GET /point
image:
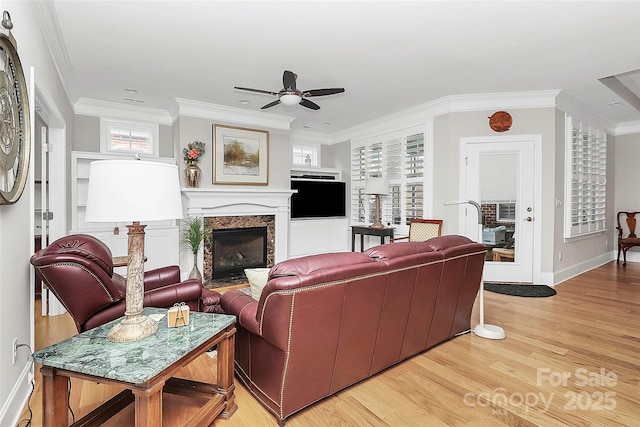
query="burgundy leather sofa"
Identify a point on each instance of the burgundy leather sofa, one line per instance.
(325, 322)
(78, 269)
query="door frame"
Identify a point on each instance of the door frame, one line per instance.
(57, 129)
(536, 139)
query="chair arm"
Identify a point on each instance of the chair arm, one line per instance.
(188, 292)
(243, 307)
(161, 277)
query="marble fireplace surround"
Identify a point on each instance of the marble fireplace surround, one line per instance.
(211, 203)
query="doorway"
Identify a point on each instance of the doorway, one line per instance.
(500, 175)
(49, 151)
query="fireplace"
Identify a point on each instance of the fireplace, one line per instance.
(235, 249)
(225, 234)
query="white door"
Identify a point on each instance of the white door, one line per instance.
(500, 178)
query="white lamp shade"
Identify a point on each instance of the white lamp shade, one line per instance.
(290, 99)
(376, 185)
(133, 190)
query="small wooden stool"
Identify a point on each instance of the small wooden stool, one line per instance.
(499, 253)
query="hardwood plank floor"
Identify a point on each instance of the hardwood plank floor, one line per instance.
(571, 359)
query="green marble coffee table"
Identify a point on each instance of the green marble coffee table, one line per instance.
(145, 368)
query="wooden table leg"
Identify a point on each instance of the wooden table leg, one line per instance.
(226, 354)
(148, 406)
(55, 398)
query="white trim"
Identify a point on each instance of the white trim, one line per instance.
(627, 128)
(47, 19)
(208, 202)
(574, 108)
(449, 104)
(582, 267)
(221, 113)
(94, 107)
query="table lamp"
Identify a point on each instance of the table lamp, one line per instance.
(378, 187)
(133, 191)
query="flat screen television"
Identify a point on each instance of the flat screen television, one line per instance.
(318, 198)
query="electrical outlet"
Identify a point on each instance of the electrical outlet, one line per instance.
(560, 256)
(14, 349)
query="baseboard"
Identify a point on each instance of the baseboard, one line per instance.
(632, 256)
(577, 269)
(20, 392)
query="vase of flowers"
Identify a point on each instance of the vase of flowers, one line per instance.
(192, 237)
(192, 154)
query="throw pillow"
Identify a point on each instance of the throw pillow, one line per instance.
(258, 278)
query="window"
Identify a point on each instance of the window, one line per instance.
(585, 179)
(399, 158)
(305, 155)
(128, 137)
(506, 211)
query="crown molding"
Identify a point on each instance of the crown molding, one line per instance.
(221, 113)
(627, 128)
(449, 104)
(47, 20)
(583, 113)
(94, 107)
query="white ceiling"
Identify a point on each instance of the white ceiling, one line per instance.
(388, 55)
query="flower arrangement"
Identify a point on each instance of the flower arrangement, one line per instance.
(193, 152)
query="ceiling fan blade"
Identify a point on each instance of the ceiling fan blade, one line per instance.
(289, 80)
(309, 104)
(322, 92)
(271, 104)
(256, 90)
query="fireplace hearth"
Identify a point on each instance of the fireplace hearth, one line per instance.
(235, 249)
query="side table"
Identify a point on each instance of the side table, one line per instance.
(145, 368)
(369, 231)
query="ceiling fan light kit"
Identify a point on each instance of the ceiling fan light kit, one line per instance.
(290, 99)
(290, 95)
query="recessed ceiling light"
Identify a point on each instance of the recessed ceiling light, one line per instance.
(244, 101)
(140, 101)
(327, 123)
(308, 127)
(615, 104)
(129, 90)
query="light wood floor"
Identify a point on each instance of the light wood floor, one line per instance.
(572, 359)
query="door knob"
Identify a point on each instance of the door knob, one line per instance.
(528, 219)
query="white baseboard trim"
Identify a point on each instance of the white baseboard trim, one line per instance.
(632, 256)
(20, 392)
(577, 269)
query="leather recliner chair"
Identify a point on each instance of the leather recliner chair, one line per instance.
(78, 269)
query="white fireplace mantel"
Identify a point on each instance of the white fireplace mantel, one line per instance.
(212, 202)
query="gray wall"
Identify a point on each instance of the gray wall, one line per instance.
(626, 154)
(188, 129)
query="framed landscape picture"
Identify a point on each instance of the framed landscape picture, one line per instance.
(241, 156)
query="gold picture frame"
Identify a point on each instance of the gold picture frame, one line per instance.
(241, 156)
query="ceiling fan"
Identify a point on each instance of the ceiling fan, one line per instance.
(290, 95)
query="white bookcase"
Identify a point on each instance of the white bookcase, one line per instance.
(162, 246)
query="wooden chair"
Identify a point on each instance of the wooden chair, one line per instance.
(628, 228)
(422, 229)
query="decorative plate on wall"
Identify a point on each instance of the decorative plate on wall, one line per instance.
(500, 121)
